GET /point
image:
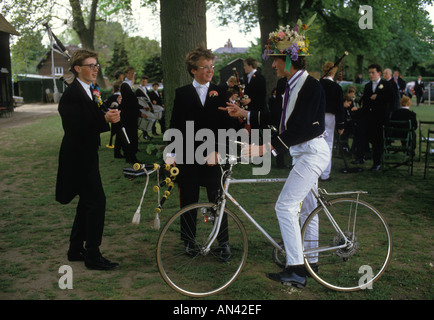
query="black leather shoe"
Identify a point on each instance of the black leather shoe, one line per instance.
(289, 278)
(225, 252)
(358, 161)
(76, 255)
(190, 249)
(100, 263)
(314, 267)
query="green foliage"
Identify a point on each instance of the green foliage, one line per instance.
(107, 35)
(244, 13)
(119, 60)
(153, 68)
(26, 52)
(141, 50)
(402, 34)
(110, 7)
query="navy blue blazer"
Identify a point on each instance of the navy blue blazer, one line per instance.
(306, 121)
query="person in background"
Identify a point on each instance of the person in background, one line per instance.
(255, 87)
(377, 96)
(419, 90)
(157, 99)
(130, 114)
(334, 116)
(405, 114)
(120, 140)
(395, 102)
(399, 82)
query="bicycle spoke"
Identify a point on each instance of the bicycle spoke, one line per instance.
(199, 272)
(366, 245)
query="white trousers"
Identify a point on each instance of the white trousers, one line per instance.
(309, 161)
(330, 123)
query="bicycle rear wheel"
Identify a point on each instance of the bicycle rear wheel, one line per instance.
(363, 259)
(202, 273)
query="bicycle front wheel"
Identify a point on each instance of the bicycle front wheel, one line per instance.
(364, 250)
(198, 272)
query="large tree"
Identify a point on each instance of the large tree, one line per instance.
(183, 27)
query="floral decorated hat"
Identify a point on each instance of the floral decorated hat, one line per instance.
(288, 42)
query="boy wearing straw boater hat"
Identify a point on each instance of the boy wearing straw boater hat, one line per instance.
(301, 133)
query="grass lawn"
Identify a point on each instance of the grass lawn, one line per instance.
(35, 229)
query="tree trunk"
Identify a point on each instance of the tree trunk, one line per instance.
(268, 22)
(183, 27)
(359, 63)
(291, 12)
(86, 34)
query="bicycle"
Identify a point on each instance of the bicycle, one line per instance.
(352, 250)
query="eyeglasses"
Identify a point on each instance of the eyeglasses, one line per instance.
(92, 66)
(207, 68)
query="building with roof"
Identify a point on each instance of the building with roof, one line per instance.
(230, 49)
(6, 95)
(60, 62)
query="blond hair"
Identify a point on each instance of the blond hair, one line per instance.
(405, 101)
(195, 55)
(328, 68)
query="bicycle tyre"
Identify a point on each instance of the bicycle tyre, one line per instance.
(203, 274)
(361, 263)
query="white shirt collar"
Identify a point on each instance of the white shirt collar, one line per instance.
(197, 84)
(130, 83)
(294, 78)
(250, 75)
(375, 84)
(86, 87)
(199, 89)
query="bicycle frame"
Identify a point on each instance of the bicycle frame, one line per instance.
(221, 206)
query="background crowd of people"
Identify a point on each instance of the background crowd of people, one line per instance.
(350, 114)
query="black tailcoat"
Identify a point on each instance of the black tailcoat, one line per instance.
(334, 101)
(257, 91)
(78, 172)
(82, 122)
(377, 114)
(130, 114)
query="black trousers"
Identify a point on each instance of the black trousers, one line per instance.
(131, 149)
(376, 138)
(189, 191)
(89, 219)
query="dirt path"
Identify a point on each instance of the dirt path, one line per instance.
(26, 114)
